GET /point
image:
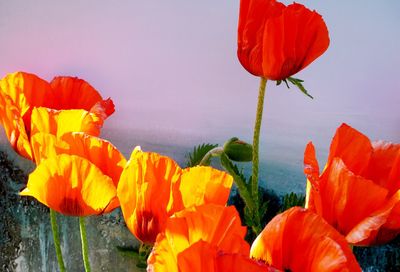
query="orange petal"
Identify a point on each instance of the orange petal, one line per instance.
(60, 122)
(385, 160)
(352, 147)
(202, 185)
(145, 191)
(27, 91)
(71, 185)
(98, 151)
(367, 232)
(217, 225)
(300, 240)
(75, 93)
(252, 18)
(346, 198)
(14, 127)
(202, 256)
(292, 41)
(46, 145)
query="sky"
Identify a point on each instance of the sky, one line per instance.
(171, 68)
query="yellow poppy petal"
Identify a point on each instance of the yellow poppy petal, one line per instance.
(145, 189)
(27, 90)
(202, 185)
(14, 126)
(217, 225)
(60, 122)
(71, 185)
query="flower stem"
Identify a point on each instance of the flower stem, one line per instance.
(85, 249)
(56, 239)
(256, 140)
(217, 151)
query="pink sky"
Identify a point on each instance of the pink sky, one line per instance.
(171, 66)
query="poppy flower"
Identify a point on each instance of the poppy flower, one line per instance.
(77, 173)
(210, 238)
(358, 191)
(276, 41)
(71, 105)
(153, 187)
(195, 239)
(300, 240)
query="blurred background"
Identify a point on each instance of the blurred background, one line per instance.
(172, 71)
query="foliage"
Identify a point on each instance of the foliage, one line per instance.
(198, 153)
(292, 200)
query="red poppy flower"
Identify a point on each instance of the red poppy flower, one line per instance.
(358, 191)
(276, 41)
(71, 105)
(76, 175)
(153, 187)
(300, 240)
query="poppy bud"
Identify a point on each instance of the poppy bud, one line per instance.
(237, 150)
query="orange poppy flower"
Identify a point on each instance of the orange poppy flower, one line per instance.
(77, 174)
(300, 240)
(358, 191)
(153, 187)
(276, 41)
(21, 93)
(195, 239)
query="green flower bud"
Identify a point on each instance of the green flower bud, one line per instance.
(237, 150)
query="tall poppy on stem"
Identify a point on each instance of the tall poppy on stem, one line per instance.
(77, 175)
(29, 105)
(275, 42)
(153, 187)
(358, 192)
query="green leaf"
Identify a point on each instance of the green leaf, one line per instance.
(298, 83)
(292, 200)
(232, 169)
(195, 157)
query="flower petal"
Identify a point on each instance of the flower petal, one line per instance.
(252, 17)
(75, 93)
(60, 122)
(14, 127)
(27, 91)
(367, 231)
(71, 185)
(219, 226)
(353, 147)
(347, 198)
(292, 41)
(300, 240)
(385, 160)
(203, 184)
(202, 256)
(145, 190)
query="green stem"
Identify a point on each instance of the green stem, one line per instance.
(213, 152)
(256, 139)
(245, 194)
(85, 249)
(56, 239)
(240, 183)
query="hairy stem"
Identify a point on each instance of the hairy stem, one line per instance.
(85, 248)
(256, 140)
(56, 239)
